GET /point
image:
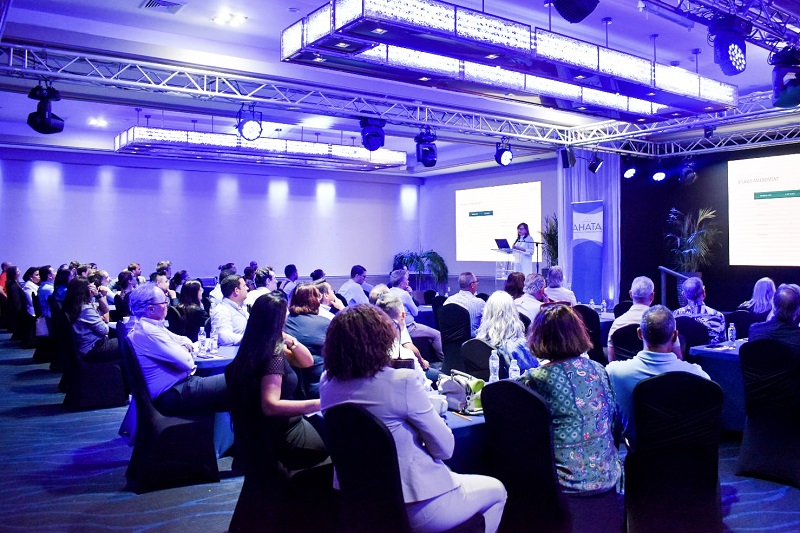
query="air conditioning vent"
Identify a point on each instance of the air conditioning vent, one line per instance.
(162, 6)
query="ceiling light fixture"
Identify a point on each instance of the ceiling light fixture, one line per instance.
(426, 149)
(503, 155)
(629, 172)
(43, 120)
(229, 19)
(785, 91)
(688, 173)
(595, 164)
(372, 136)
(248, 122)
(567, 157)
(659, 175)
(708, 131)
(728, 34)
(575, 10)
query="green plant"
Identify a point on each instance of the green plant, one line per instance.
(428, 262)
(691, 239)
(550, 238)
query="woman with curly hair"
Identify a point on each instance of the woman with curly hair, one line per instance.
(357, 352)
(502, 328)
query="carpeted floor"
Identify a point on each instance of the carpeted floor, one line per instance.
(65, 471)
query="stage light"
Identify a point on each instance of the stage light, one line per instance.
(708, 131)
(688, 174)
(503, 155)
(785, 92)
(426, 149)
(567, 157)
(629, 172)
(575, 10)
(43, 120)
(248, 122)
(730, 51)
(595, 164)
(659, 175)
(372, 136)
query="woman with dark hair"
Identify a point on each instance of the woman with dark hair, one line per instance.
(357, 352)
(16, 298)
(31, 287)
(191, 307)
(581, 402)
(126, 282)
(525, 246)
(515, 284)
(177, 281)
(266, 417)
(89, 317)
(309, 327)
(63, 277)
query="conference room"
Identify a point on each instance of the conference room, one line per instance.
(341, 134)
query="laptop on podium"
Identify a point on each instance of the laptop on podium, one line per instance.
(502, 244)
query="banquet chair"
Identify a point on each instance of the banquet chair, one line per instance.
(771, 438)
(437, 304)
(168, 451)
(517, 421)
(475, 354)
(742, 319)
(454, 324)
(592, 321)
(526, 322)
(622, 308)
(672, 470)
(626, 342)
(428, 296)
(176, 321)
(365, 457)
(691, 333)
(483, 296)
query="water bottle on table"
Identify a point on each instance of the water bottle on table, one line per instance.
(603, 306)
(732, 333)
(513, 370)
(201, 341)
(591, 303)
(494, 367)
(214, 348)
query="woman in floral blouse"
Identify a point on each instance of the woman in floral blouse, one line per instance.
(581, 402)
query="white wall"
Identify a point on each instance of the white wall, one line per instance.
(57, 207)
(437, 207)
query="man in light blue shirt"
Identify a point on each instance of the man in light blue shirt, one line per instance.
(466, 298)
(352, 289)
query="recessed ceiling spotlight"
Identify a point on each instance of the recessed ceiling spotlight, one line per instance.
(230, 19)
(98, 122)
(492, 56)
(424, 78)
(379, 31)
(319, 59)
(580, 77)
(651, 93)
(341, 45)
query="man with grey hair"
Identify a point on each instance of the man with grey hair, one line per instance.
(642, 293)
(783, 325)
(555, 289)
(533, 297)
(466, 298)
(391, 304)
(398, 282)
(657, 330)
(713, 320)
(166, 359)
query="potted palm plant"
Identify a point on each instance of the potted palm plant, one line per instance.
(550, 239)
(691, 239)
(428, 263)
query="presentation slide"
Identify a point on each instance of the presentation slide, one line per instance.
(764, 203)
(489, 213)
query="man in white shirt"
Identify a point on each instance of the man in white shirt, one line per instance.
(642, 293)
(398, 280)
(166, 359)
(466, 298)
(390, 304)
(352, 289)
(215, 296)
(554, 290)
(265, 283)
(290, 271)
(229, 318)
(529, 303)
(328, 300)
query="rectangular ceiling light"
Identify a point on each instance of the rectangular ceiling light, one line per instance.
(231, 147)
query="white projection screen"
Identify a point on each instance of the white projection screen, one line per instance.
(489, 213)
(764, 209)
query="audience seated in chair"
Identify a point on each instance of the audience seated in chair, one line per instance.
(229, 318)
(465, 297)
(555, 290)
(642, 292)
(398, 280)
(306, 325)
(783, 325)
(192, 309)
(533, 296)
(352, 290)
(88, 312)
(760, 305)
(502, 329)
(713, 320)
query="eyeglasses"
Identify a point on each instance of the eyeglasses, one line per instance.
(158, 303)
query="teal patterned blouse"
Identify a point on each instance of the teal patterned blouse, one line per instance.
(582, 407)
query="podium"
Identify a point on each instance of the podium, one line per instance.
(505, 263)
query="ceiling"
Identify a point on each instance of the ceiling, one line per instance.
(126, 29)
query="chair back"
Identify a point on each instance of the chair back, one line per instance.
(518, 419)
(592, 321)
(176, 321)
(61, 333)
(428, 296)
(622, 308)
(475, 353)
(742, 319)
(483, 296)
(526, 322)
(672, 472)
(341, 298)
(454, 324)
(771, 438)
(691, 332)
(626, 342)
(438, 302)
(365, 457)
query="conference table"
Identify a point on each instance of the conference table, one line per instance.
(721, 363)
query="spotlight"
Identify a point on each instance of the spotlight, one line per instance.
(730, 52)
(688, 174)
(426, 149)
(659, 175)
(248, 122)
(43, 120)
(372, 135)
(785, 92)
(708, 131)
(595, 164)
(567, 157)
(575, 10)
(629, 169)
(503, 155)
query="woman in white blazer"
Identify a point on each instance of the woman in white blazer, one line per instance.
(357, 352)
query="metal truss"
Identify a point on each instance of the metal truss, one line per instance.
(772, 25)
(200, 86)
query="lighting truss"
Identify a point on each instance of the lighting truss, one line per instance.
(468, 50)
(231, 147)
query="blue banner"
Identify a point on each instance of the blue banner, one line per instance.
(587, 251)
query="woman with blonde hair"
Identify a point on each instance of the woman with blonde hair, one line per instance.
(502, 328)
(760, 305)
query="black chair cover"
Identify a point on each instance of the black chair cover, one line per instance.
(437, 304)
(692, 333)
(626, 342)
(454, 324)
(742, 319)
(592, 321)
(622, 308)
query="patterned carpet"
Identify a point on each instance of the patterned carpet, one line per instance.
(65, 471)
